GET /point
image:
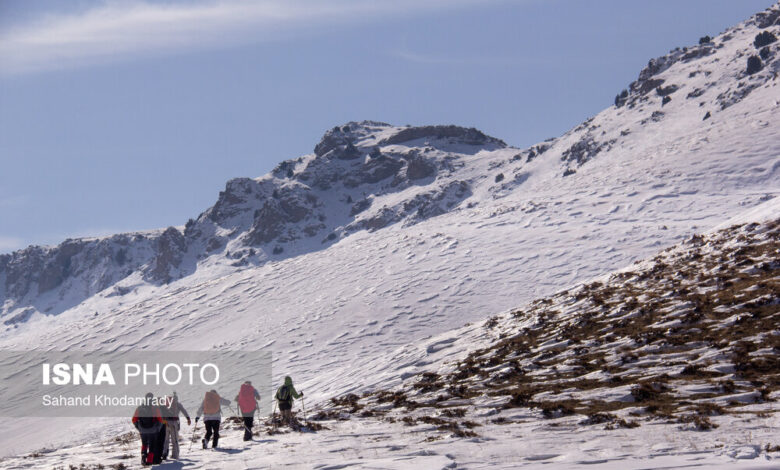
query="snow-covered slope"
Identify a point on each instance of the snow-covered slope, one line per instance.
(388, 235)
(671, 362)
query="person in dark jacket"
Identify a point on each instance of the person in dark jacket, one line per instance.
(148, 420)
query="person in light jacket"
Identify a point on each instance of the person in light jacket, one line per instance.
(171, 415)
(211, 410)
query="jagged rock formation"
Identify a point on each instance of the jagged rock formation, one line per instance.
(70, 271)
(313, 200)
(370, 175)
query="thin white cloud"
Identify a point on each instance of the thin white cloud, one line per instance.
(122, 30)
(13, 201)
(9, 244)
(429, 59)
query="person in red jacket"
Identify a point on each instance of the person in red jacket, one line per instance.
(147, 419)
(247, 405)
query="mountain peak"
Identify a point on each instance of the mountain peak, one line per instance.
(344, 141)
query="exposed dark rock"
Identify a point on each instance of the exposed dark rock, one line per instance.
(667, 90)
(349, 152)
(621, 98)
(437, 202)
(237, 191)
(59, 266)
(320, 174)
(697, 52)
(646, 86)
(313, 229)
(339, 138)
(499, 178)
(20, 317)
(768, 18)
(707, 116)
(732, 96)
(468, 136)
(535, 151)
(171, 247)
(374, 171)
(754, 65)
(295, 209)
(21, 270)
(379, 221)
(418, 168)
(284, 169)
(331, 140)
(585, 149)
(291, 206)
(695, 93)
(269, 222)
(764, 38)
(360, 206)
(120, 257)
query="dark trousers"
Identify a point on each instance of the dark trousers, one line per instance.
(249, 421)
(157, 447)
(150, 449)
(148, 440)
(212, 427)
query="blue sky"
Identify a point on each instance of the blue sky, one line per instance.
(131, 115)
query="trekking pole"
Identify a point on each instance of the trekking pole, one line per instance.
(240, 416)
(193, 436)
(303, 404)
(273, 417)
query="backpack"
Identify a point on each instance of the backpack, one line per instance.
(246, 398)
(146, 417)
(211, 403)
(284, 393)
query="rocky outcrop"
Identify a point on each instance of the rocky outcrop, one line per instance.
(170, 249)
(419, 168)
(49, 279)
(468, 136)
(341, 140)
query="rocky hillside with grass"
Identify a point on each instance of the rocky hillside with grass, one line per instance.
(688, 337)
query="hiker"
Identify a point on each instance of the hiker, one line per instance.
(211, 409)
(285, 395)
(160, 451)
(247, 405)
(148, 421)
(171, 415)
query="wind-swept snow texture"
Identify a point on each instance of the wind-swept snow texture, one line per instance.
(385, 236)
(671, 362)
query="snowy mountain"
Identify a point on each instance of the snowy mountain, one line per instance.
(368, 175)
(666, 363)
(341, 260)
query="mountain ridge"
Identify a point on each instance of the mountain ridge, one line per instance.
(334, 314)
(361, 163)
